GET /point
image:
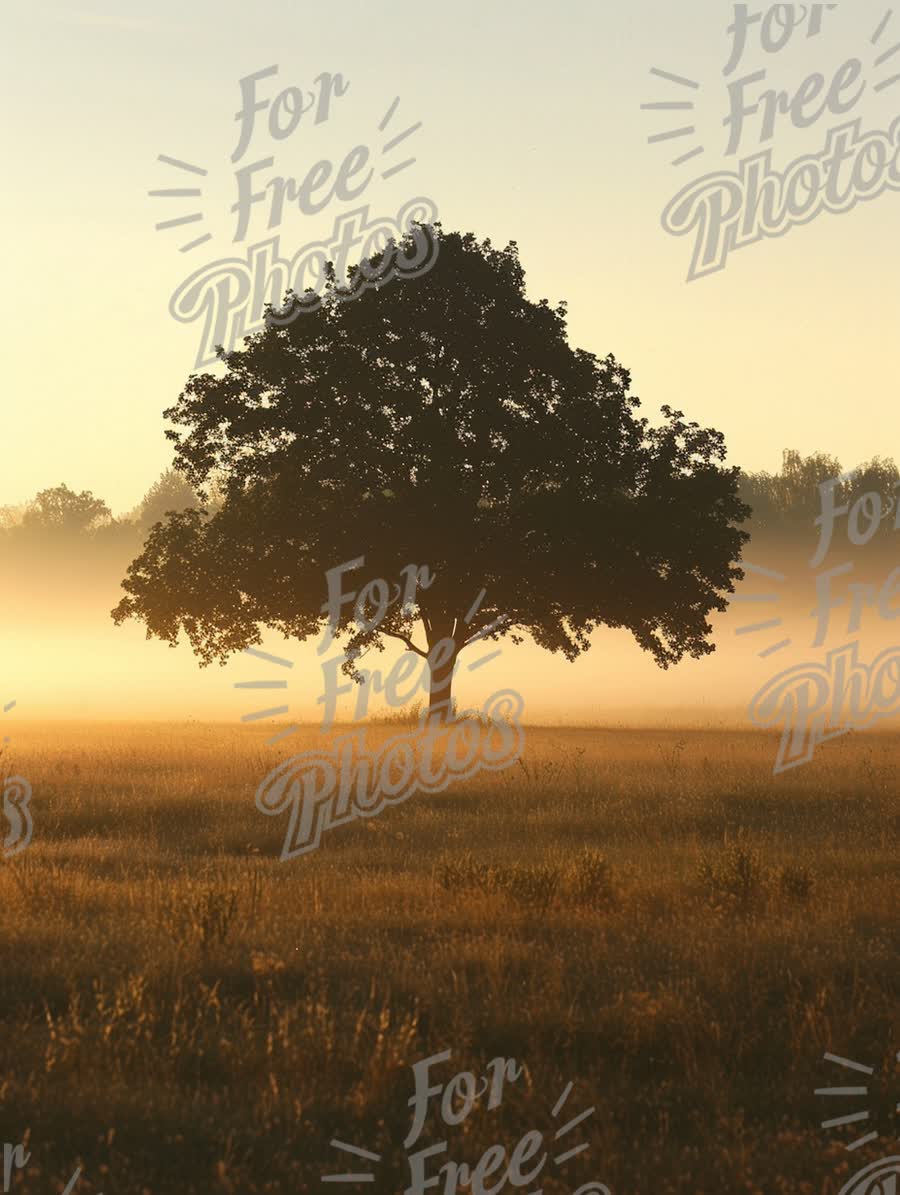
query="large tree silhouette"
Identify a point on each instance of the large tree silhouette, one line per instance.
(440, 421)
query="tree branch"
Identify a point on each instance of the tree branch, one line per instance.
(404, 639)
(484, 631)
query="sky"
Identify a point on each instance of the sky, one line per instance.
(532, 129)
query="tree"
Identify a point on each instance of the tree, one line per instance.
(786, 504)
(61, 510)
(11, 516)
(442, 421)
(171, 491)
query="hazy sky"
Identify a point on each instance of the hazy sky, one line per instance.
(532, 130)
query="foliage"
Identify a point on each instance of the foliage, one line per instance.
(170, 492)
(443, 422)
(62, 511)
(786, 504)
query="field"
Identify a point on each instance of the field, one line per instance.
(650, 915)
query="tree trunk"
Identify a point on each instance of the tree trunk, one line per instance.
(441, 687)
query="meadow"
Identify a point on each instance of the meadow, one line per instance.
(649, 915)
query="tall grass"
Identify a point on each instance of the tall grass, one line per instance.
(652, 916)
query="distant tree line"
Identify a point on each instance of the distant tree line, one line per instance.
(63, 553)
(60, 514)
(787, 503)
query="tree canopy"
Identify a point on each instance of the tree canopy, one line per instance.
(61, 510)
(441, 421)
(171, 491)
(786, 504)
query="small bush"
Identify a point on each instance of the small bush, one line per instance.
(464, 873)
(736, 880)
(535, 885)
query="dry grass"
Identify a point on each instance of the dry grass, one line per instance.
(649, 914)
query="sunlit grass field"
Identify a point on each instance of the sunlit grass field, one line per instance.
(650, 915)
